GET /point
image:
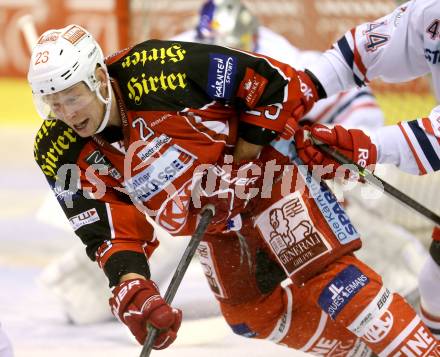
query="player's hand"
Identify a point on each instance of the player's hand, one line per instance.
(228, 187)
(136, 303)
(352, 143)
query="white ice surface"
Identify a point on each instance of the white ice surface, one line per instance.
(33, 320)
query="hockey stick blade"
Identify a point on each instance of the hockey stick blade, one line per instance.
(207, 214)
(379, 183)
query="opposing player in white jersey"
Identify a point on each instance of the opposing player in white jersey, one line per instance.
(398, 47)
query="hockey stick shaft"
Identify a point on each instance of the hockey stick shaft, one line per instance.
(381, 184)
(184, 262)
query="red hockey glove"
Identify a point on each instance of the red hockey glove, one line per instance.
(309, 95)
(137, 302)
(228, 187)
(353, 144)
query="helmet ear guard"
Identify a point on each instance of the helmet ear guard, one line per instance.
(227, 23)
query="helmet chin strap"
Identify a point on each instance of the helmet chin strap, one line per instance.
(107, 103)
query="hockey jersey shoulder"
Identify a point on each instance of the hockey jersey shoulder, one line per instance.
(158, 75)
(155, 75)
(56, 144)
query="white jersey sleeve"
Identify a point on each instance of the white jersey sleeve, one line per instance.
(398, 47)
(423, 138)
(413, 146)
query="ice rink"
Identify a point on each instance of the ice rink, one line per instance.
(33, 319)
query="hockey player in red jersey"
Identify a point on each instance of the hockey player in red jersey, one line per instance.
(226, 23)
(409, 35)
(164, 127)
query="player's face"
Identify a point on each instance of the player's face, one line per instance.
(78, 107)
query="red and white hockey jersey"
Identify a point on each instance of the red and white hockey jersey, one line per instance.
(398, 47)
(181, 104)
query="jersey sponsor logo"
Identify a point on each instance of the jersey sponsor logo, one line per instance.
(160, 120)
(332, 347)
(174, 53)
(152, 180)
(74, 34)
(282, 325)
(237, 181)
(330, 208)
(84, 218)
(204, 253)
(221, 75)
(153, 147)
(251, 87)
(341, 290)
(380, 328)
(49, 161)
(174, 214)
(418, 344)
(143, 85)
(49, 37)
(62, 194)
(289, 231)
(98, 158)
(383, 299)
(380, 302)
(432, 56)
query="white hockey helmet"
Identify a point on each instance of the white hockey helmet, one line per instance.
(228, 23)
(62, 58)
